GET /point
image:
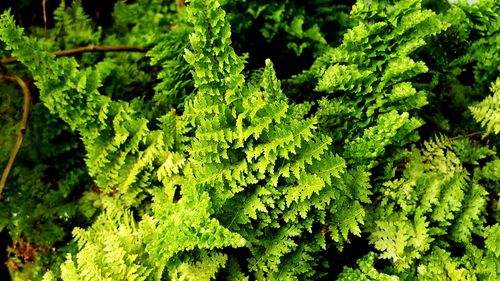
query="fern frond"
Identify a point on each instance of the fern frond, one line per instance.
(366, 271)
(434, 198)
(487, 112)
(110, 249)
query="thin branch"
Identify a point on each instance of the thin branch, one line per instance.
(180, 4)
(467, 136)
(85, 49)
(22, 127)
(44, 17)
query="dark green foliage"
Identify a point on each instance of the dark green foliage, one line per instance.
(254, 140)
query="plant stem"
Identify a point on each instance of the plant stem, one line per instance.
(180, 4)
(85, 49)
(22, 127)
(467, 136)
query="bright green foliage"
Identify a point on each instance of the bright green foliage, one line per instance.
(185, 225)
(488, 111)
(435, 197)
(259, 158)
(493, 240)
(114, 244)
(366, 271)
(256, 139)
(63, 86)
(440, 266)
(476, 264)
(367, 78)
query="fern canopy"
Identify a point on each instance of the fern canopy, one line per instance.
(252, 140)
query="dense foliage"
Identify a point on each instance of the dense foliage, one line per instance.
(255, 140)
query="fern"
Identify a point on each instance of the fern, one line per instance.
(367, 79)
(111, 249)
(204, 269)
(483, 18)
(145, 20)
(436, 196)
(63, 84)
(243, 136)
(441, 266)
(71, 19)
(209, 157)
(366, 271)
(487, 112)
(176, 83)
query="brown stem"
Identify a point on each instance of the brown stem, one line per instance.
(467, 136)
(180, 4)
(44, 17)
(22, 128)
(85, 49)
